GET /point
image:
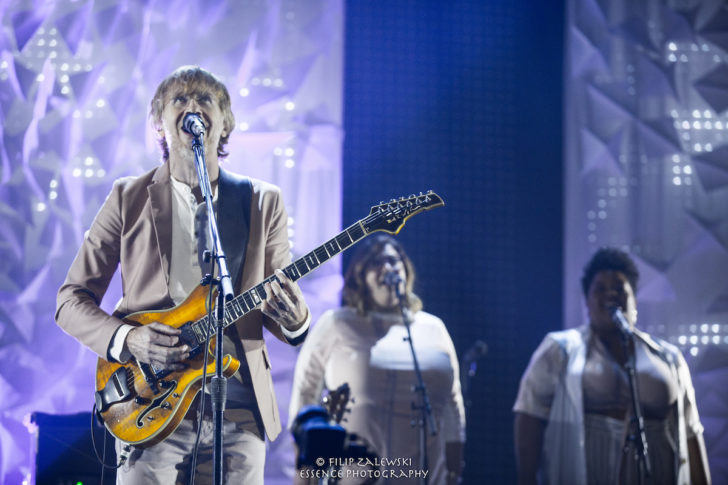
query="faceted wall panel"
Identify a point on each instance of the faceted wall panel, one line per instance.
(76, 78)
(646, 141)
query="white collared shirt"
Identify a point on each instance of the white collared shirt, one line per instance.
(184, 267)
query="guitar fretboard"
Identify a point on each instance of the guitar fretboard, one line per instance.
(251, 299)
(389, 217)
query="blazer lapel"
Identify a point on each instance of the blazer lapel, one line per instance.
(160, 200)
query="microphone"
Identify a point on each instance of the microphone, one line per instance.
(478, 350)
(392, 278)
(621, 321)
(192, 124)
(469, 366)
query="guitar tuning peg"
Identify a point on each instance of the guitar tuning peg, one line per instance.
(420, 192)
(381, 202)
(392, 200)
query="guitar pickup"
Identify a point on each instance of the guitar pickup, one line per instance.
(116, 390)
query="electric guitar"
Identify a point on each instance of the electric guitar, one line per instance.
(142, 405)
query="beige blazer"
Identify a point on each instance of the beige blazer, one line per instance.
(132, 230)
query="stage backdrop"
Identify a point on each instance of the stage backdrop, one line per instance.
(76, 78)
(646, 143)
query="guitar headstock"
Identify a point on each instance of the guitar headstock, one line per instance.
(391, 216)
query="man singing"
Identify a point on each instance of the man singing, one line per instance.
(147, 227)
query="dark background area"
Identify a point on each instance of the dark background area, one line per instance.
(465, 98)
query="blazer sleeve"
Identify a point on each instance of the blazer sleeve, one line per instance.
(77, 304)
(277, 254)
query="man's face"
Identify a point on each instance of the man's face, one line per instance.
(610, 289)
(180, 100)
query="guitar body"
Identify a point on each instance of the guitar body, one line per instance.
(156, 403)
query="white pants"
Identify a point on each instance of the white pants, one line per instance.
(168, 462)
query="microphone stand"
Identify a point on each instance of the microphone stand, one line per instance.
(218, 383)
(426, 420)
(637, 423)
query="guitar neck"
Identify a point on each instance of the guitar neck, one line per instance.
(307, 263)
(253, 298)
(389, 217)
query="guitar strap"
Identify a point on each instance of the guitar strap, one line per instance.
(235, 197)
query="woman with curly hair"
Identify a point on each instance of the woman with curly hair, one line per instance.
(573, 414)
(364, 344)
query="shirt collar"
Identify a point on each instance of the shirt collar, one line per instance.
(184, 189)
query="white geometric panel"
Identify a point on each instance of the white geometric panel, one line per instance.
(659, 82)
(76, 79)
